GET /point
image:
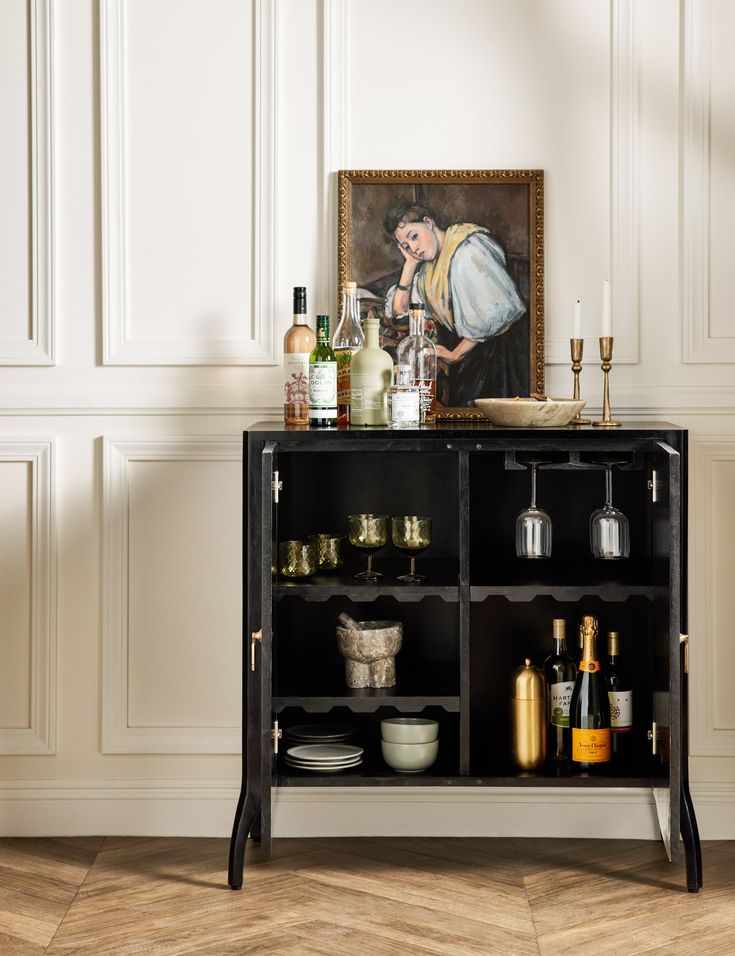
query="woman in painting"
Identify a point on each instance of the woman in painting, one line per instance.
(459, 274)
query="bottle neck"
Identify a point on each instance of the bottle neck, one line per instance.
(560, 646)
(299, 318)
(416, 323)
(589, 649)
(349, 305)
(372, 335)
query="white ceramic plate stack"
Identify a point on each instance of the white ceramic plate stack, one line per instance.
(321, 733)
(324, 758)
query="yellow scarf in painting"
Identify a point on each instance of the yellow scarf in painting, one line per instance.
(433, 279)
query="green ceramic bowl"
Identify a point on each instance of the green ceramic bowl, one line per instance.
(409, 758)
(409, 730)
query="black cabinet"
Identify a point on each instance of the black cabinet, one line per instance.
(480, 611)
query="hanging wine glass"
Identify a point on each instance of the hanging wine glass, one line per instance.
(533, 526)
(368, 533)
(609, 530)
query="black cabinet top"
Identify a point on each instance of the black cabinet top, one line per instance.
(638, 430)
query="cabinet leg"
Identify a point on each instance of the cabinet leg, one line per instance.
(248, 810)
(255, 828)
(692, 845)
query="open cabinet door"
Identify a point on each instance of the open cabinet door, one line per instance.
(253, 814)
(264, 655)
(665, 734)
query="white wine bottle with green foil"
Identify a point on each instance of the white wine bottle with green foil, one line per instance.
(561, 675)
(322, 378)
(371, 376)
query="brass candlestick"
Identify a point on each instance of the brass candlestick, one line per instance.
(577, 347)
(606, 351)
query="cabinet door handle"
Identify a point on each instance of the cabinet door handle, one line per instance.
(254, 638)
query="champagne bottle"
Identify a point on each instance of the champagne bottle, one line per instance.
(590, 706)
(620, 694)
(561, 674)
(370, 378)
(322, 378)
(298, 344)
(418, 353)
(348, 339)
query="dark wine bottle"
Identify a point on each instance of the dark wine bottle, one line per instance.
(620, 694)
(561, 673)
(590, 707)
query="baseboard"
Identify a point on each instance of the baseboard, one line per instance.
(206, 808)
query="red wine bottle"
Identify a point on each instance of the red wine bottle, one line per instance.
(620, 694)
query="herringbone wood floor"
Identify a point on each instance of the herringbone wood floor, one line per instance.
(368, 897)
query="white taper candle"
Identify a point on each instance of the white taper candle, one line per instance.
(606, 315)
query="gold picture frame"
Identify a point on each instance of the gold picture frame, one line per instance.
(509, 213)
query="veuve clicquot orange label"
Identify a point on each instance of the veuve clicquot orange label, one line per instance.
(591, 746)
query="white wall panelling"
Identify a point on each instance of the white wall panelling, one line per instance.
(706, 148)
(221, 324)
(334, 133)
(623, 204)
(38, 347)
(39, 737)
(135, 693)
(711, 648)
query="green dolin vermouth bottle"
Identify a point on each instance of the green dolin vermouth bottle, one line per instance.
(322, 378)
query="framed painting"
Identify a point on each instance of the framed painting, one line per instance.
(469, 246)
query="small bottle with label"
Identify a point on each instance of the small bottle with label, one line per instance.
(418, 353)
(371, 376)
(322, 378)
(620, 694)
(298, 344)
(561, 673)
(404, 401)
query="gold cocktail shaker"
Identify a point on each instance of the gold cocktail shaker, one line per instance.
(528, 717)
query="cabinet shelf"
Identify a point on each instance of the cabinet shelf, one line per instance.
(436, 686)
(566, 592)
(441, 581)
(368, 777)
(368, 700)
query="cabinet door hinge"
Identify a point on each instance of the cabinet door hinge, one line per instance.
(276, 734)
(684, 639)
(653, 486)
(277, 486)
(255, 637)
(653, 737)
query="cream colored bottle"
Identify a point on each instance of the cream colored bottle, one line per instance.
(371, 376)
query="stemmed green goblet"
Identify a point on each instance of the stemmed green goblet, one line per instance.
(411, 534)
(368, 533)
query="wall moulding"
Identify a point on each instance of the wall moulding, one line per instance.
(118, 736)
(40, 736)
(40, 348)
(119, 347)
(711, 582)
(699, 346)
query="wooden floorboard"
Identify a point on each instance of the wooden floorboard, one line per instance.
(121, 896)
